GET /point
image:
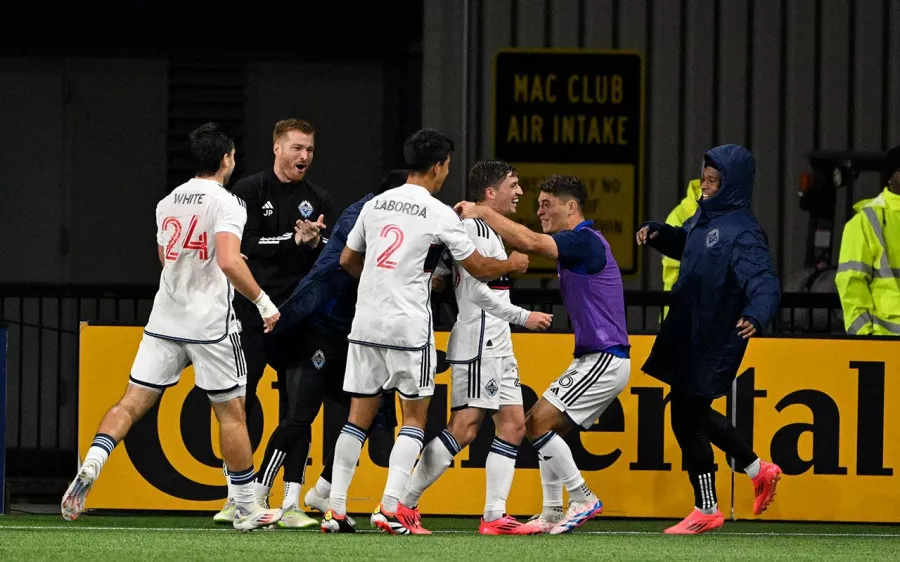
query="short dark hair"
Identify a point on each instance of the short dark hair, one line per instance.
(208, 146)
(425, 148)
(392, 179)
(562, 185)
(488, 173)
(285, 126)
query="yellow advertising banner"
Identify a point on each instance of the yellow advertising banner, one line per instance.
(821, 409)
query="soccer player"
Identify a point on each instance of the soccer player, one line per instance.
(324, 303)
(394, 247)
(727, 292)
(199, 228)
(591, 288)
(281, 243)
(484, 370)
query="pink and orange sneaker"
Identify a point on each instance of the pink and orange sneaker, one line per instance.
(507, 525)
(696, 523)
(411, 519)
(764, 486)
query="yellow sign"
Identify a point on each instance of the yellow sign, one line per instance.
(826, 424)
(580, 113)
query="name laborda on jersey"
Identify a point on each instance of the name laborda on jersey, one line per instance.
(400, 207)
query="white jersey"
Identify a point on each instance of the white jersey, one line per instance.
(403, 233)
(485, 311)
(193, 303)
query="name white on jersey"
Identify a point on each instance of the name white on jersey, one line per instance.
(478, 333)
(403, 233)
(193, 302)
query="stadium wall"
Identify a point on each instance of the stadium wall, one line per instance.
(827, 422)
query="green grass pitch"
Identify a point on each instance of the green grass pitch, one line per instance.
(96, 537)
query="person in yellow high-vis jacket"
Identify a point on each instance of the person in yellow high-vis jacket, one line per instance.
(685, 210)
(868, 278)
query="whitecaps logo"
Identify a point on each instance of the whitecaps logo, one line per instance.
(712, 238)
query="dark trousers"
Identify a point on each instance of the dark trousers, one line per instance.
(697, 427)
(319, 375)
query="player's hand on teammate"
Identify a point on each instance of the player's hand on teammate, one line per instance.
(746, 328)
(270, 322)
(518, 262)
(644, 234)
(538, 321)
(308, 232)
(467, 210)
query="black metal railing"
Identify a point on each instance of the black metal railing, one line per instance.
(43, 323)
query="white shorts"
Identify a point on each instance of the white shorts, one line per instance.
(487, 383)
(589, 386)
(219, 368)
(372, 370)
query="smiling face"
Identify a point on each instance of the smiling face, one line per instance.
(294, 155)
(710, 182)
(504, 197)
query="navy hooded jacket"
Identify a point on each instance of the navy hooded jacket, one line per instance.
(726, 273)
(327, 295)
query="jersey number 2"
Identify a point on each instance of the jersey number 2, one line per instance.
(189, 242)
(384, 258)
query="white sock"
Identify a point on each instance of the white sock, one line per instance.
(291, 494)
(552, 487)
(101, 448)
(499, 469)
(242, 482)
(346, 454)
(436, 459)
(752, 469)
(228, 482)
(323, 487)
(403, 458)
(558, 457)
(711, 511)
(261, 492)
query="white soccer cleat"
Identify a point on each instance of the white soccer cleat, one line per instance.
(293, 518)
(577, 515)
(73, 501)
(320, 503)
(226, 515)
(255, 517)
(539, 523)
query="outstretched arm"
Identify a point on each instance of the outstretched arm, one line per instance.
(517, 236)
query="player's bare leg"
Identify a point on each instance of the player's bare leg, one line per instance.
(346, 454)
(545, 425)
(404, 453)
(238, 457)
(113, 428)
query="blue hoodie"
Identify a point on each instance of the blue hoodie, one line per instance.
(726, 273)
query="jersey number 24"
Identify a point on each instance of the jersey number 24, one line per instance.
(189, 242)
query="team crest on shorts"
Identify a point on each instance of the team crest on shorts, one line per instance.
(318, 359)
(305, 208)
(491, 388)
(712, 238)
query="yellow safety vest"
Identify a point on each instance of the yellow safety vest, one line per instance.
(685, 210)
(868, 277)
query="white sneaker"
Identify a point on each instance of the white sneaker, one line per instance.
(226, 515)
(293, 518)
(73, 501)
(577, 515)
(543, 524)
(254, 517)
(320, 503)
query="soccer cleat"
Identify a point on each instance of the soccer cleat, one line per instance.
(293, 518)
(507, 525)
(254, 517)
(388, 522)
(577, 515)
(696, 523)
(320, 503)
(226, 515)
(334, 523)
(411, 519)
(540, 524)
(764, 486)
(73, 501)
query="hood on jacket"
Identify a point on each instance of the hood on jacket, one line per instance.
(738, 169)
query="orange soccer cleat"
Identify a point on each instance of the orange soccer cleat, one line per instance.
(764, 486)
(696, 523)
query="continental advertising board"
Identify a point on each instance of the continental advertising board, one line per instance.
(824, 410)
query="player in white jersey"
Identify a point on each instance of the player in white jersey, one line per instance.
(484, 371)
(199, 228)
(394, 247)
